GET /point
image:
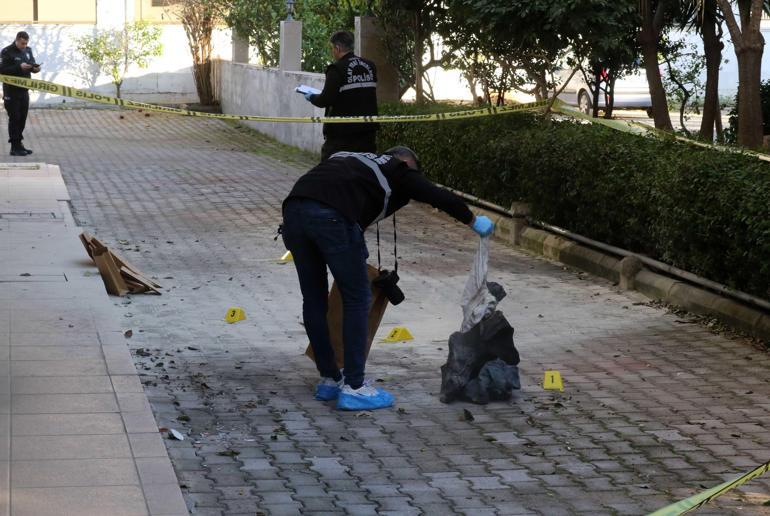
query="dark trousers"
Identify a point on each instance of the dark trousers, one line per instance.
(319, 236)
(17, 106)
(364, 142)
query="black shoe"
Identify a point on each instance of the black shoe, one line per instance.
(28, 151)
(18, 152)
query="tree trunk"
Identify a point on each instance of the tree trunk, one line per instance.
(201, 53)
(419, 52)
(685, 100)
(198, 23)
(117, 88)
(202, 74)
(748, 43)
(648, 39)
(750, 131)
(712, 47)
(609, 96)
(718, 123)
(597, 91)
(471, 80)
(541, 87)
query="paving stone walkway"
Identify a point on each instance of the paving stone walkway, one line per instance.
(77, 435)
(655, 408)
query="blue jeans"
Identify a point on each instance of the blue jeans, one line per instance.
(319, 236)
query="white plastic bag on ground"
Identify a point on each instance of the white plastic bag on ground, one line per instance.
(477, 301)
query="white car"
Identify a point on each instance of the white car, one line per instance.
(631, 92)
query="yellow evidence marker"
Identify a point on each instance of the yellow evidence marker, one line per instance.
(398, 334)
(235, 314)
(552, 381)
(286, 258)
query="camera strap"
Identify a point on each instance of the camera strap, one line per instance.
(383, 181)
(395, 247)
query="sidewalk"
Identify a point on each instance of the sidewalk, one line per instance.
(78, 436)
(656, 408)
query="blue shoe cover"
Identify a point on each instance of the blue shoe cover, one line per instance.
(327, 390)
(364, 398)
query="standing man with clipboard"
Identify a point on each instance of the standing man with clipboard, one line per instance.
(17, 59)
(350, 90)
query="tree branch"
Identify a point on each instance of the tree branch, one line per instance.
(530, 91)
(559, 92)
(732, 24)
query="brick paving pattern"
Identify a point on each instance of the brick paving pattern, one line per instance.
(656, 408)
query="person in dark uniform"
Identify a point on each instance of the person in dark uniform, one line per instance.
(324, 218)
(17, 59)
(350, 90)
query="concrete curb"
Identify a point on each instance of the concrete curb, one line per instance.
(631, 276)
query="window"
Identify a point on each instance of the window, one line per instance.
(19, 11)
(71, 11)
(49, 11)
(156, 11)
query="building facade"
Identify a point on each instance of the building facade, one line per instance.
(54, 25)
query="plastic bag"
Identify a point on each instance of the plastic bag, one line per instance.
(489, 340)
(495, 382)
(486, 339)
(477, 301)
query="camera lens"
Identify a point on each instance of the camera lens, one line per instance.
(387, 282)
(395, 295)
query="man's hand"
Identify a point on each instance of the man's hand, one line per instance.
(482, 225)
(309, 96)
(26, 66)
(36, 68)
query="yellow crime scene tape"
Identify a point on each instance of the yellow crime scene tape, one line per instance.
(558, 107)
(67, 91)
(699, 500)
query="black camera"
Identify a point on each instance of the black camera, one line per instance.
(387, 282)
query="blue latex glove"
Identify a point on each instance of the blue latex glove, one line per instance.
(309, 96)
(483, 225)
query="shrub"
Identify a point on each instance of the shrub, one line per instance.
(699, 209)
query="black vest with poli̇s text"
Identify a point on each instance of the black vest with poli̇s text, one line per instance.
(357, 95)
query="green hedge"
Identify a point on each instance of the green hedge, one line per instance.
(702, 210)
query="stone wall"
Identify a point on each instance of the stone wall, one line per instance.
(244, 89)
